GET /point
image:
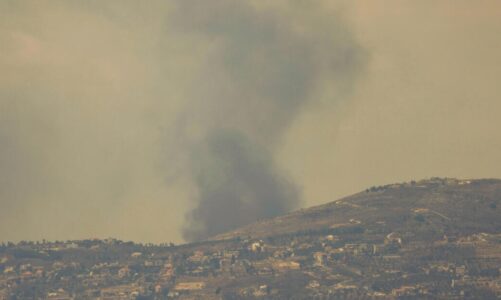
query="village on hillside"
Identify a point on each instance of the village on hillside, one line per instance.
(390, 242)
(343, 265)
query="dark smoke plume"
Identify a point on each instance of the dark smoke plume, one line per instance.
(238, 183)
(262, 68)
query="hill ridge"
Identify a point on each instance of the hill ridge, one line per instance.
(430, 184)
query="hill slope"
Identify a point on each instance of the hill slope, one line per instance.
(447, 205)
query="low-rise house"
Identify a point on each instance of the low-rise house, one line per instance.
(320, 258)
(393, 237)
(285, 265)
(189, 286)
(403, 291)
(313, 284)
(197, 257)
(124, 272)
(460, 271)
(59, 295)
(136, 254)
(121, 292)
(257, 246)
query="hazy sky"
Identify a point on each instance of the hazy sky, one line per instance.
(134, 119)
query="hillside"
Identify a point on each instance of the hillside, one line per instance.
(432, 239)
(445, 205)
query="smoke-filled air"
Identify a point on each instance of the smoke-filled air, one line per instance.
(263, 67)
(178, 120)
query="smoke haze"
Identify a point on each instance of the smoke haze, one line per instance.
(176, 120)
(263, 67)
(238, 183)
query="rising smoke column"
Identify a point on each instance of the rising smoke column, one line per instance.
(262, 67)
(237, 182)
